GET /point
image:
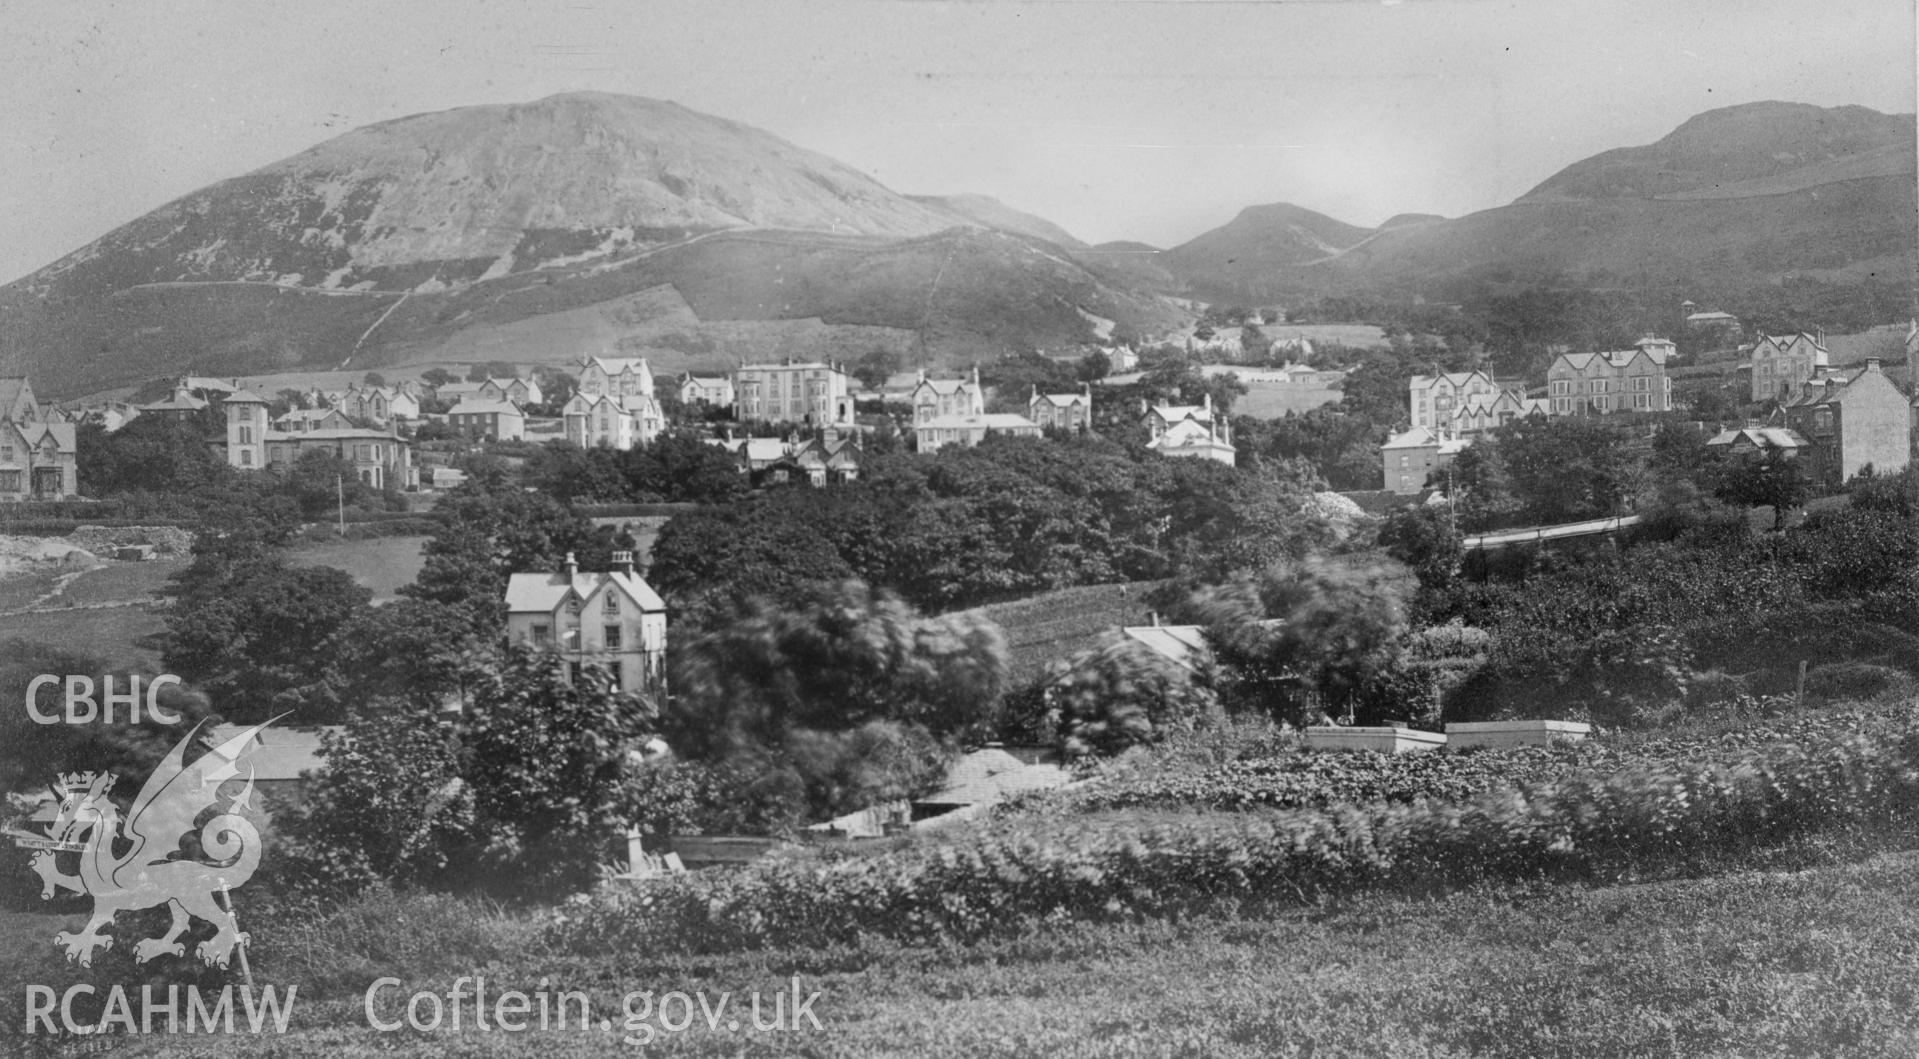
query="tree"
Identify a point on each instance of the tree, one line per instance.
(1117, 696)
(1426, 540)
(259, 636)
(1317, 625)
(875, 367)
(373, 378)
(1770, 479)
(810, 690)
(437, 377)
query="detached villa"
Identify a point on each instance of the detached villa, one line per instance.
(1191, 431)
(611, 621)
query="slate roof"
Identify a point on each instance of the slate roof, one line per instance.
(541, 593)
(989, 775)
(485, 407)
(1761, 437)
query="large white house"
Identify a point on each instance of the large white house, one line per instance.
(613, 621)
(1191, 431)
(616, 422)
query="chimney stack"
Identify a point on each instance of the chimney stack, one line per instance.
(1872, 363)
(623, 561)
(572, 566)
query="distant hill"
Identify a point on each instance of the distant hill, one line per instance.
(1260, 241)
(988, 212)
(486, 216)
(1736, 197)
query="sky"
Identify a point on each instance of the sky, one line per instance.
(1152, 121)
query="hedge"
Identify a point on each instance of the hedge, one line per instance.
(982, 882)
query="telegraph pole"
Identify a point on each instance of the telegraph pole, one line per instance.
(339, 500)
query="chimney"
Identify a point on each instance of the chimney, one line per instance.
(1872, 363)
(623, 562)
(572, 566)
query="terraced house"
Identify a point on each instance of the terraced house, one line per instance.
(1851, 421)
(1629, 380)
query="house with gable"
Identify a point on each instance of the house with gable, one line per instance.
(934, 398)
(519, 391)
(1781, 365)
(38, 461)
(1191, 431)
(612, 420)
(1071, 412)
(379, 404)
(611, 621)
(615, 377)
(1851, 421)
(713, 391)
(1631, 380)
(17, 404)
(301, 420)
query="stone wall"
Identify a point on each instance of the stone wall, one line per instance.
(168, 541)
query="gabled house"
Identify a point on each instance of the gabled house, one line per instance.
(38, 461)
(1191, 431)
(612, 621)
(1851, 422)
(1630, 380)
(615, 377)
(480, 417)
(969, 430)
(1741, 441)
(617, 422)
(379, 404)
(1781, 365)
(1432, 399)
(453, 393)
(934, 398)
(519, 391)
(1481, 412)
(300, 420)
(715, 391)
(1062, 411)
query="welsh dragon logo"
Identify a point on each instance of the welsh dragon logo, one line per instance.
(144, 865)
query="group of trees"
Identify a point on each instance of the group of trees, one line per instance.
(1008, 518)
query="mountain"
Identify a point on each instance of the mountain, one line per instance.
(1261, 241)
(1736, 197)
(987, 212)
(408, 235)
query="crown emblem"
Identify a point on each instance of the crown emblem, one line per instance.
(82, 782)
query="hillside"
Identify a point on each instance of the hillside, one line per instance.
(1261, 241)
(481, 217)
(987, 212)
(1735, 197)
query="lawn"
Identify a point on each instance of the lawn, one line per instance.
(1796, 960)
(382, 564)
(120, 636)
(1273, 402)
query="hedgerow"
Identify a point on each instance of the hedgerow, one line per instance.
(978, 882)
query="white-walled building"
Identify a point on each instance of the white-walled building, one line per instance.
(616, 422)
(612, 620)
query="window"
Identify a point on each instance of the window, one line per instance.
(246, 457)
(542, 633)
(1405, 460)
(246, 435)
(1562, 387)
(1602, 404)
(573, 606)
(9, 481)
(613, 640)
(1642, 400)
(1765, 367)
(1598, 386)
(1642, 382)
(6, 452)
(612, 603)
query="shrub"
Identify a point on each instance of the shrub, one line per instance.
(978, 882)
(1853, 680)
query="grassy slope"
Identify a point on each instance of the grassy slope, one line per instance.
(1752, 963)
(382, 564)
(1057, 624)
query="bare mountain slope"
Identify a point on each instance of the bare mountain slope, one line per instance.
(290, 265)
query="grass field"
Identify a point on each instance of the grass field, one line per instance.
(382, 564)
(120, 636)
(1813, 958)
(1272, 402)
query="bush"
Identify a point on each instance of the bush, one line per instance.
(1853, 680)
(1021, 872)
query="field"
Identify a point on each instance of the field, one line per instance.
(381, 564)
(107, 612)
(1272, 402)
(1812, 957)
